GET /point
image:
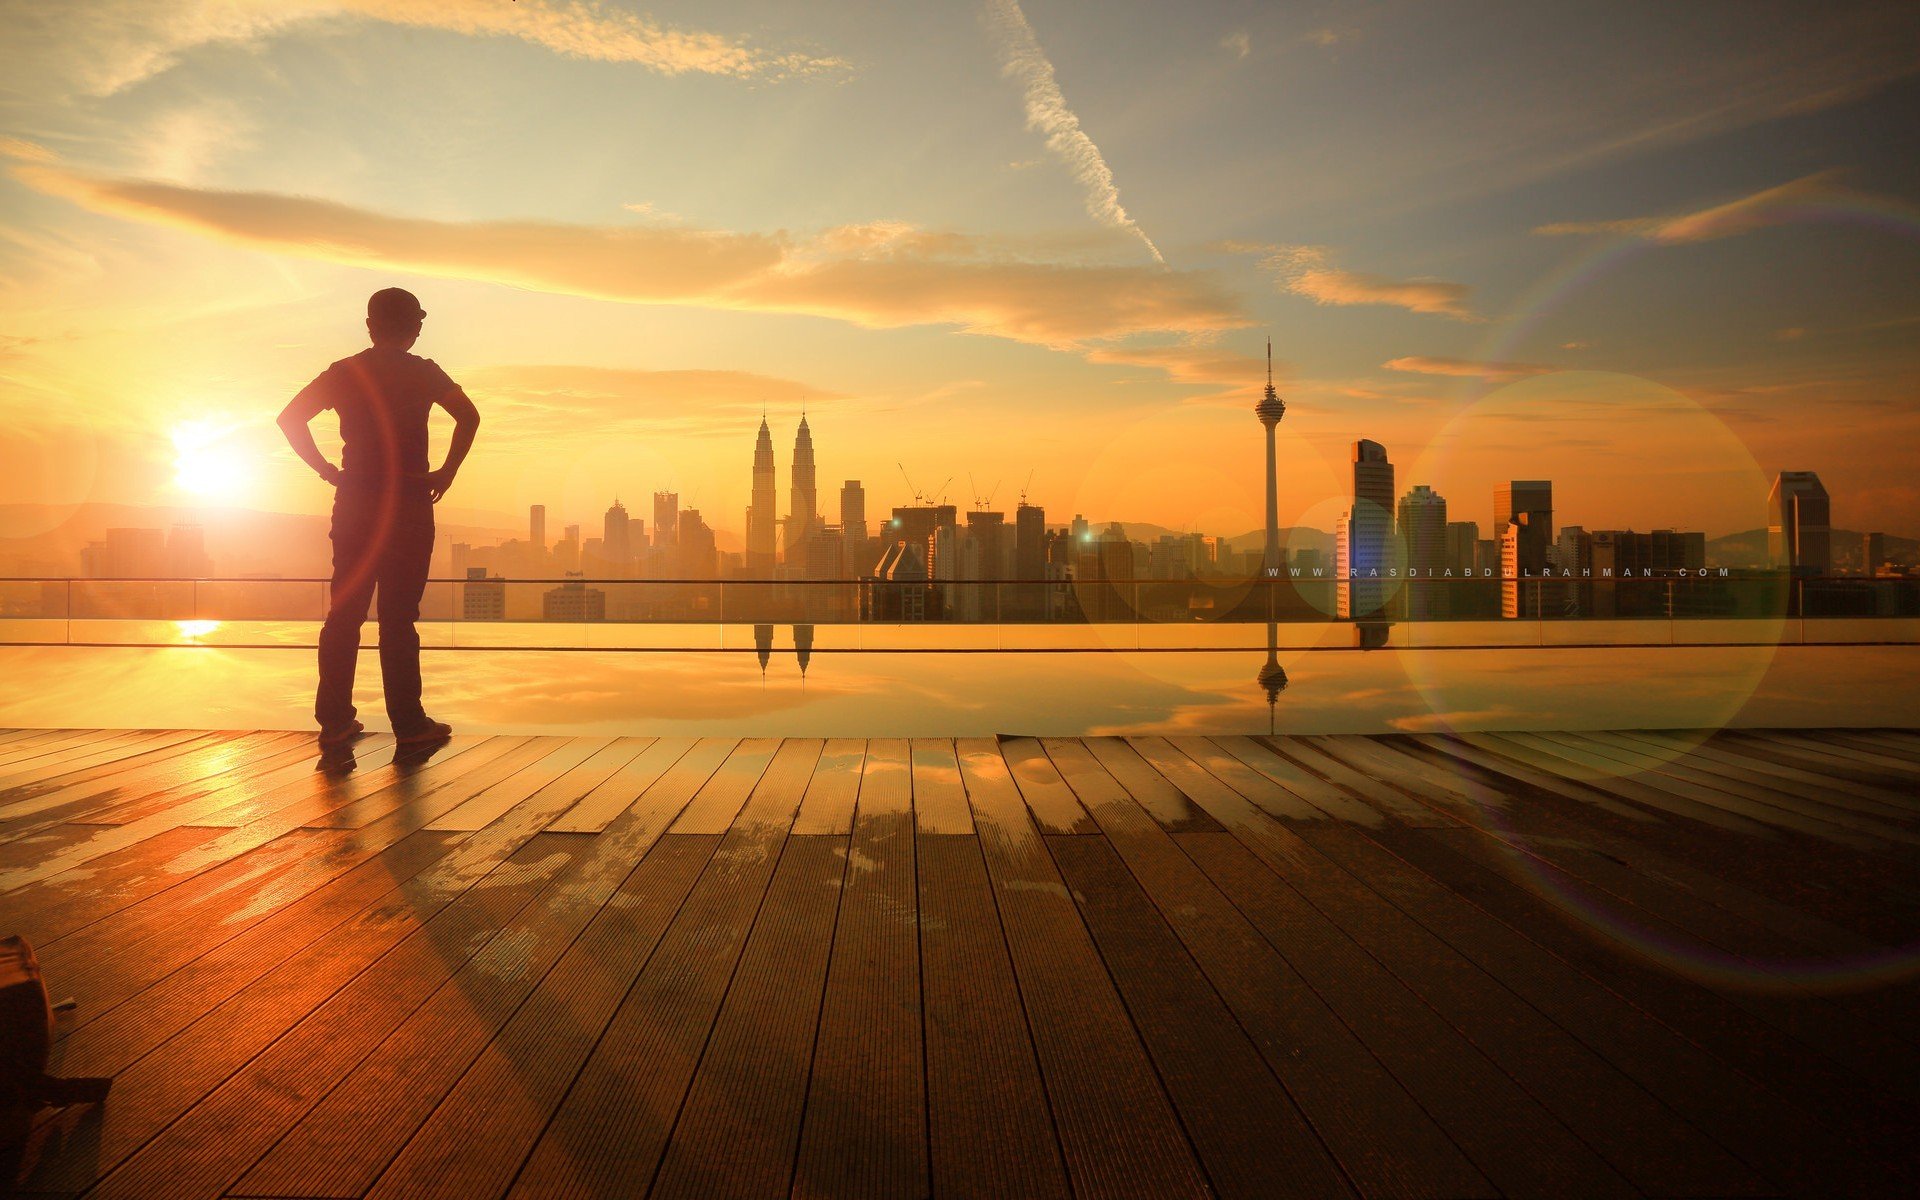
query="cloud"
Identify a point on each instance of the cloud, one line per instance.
(1308, 271)
(877, 275)
(1421, 364)
(1237, 44)
(535, 400)
(108, 46)
(1191, 363)
(1780, 205)
(1022, 59)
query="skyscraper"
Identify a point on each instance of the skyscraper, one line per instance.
(853, 523)
(803, 500)
(666, 507)
(760, 513)
(1523, 523)
(616, 544)
(1423, 528)
(1799, 538)
(1029, 542)
(1364, 532)
(537, 528)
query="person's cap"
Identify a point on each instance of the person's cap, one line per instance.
(394, 305)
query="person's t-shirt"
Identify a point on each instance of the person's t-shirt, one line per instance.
(383, 398)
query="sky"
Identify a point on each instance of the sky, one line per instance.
(1654, 253)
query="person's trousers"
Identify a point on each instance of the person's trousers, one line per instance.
(382, 543)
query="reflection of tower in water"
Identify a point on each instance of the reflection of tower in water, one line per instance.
(1273, 676)
(763, 646)
(803, 646)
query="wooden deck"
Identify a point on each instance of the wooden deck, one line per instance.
(1410, 966)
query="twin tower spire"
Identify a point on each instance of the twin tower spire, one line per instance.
(803, 509)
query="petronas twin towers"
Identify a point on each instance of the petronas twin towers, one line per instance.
(803, 510)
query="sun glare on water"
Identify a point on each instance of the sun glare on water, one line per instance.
(206, 463)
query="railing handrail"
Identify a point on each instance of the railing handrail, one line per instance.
(1689, 573)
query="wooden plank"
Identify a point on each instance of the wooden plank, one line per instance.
(614, 1124)
(1866, 798)
(612, 796)
(1760, 804)
(1327, 801)
(572, 768)
(57, 766)
(201, 1151)
(1431, 945)
(340, 1146)
(720, 799)
(1388, 800)
(68, 744)
(1048, 797)
(983, 1077)
(740, 1123)
(1338, 1086)
(1765, 1096)
(1117, 1129)
(1216, 761)
(886, 777)
(939, 799)
(1250, 1138)
(476, 1140)
(1826, 757)
(1146, 787)
(1670, 796)
(833, 789)
(103, 786)
(865, 1104)
(1494, 769)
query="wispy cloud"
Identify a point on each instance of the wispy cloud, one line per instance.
(1462, 368)
(1237, 44)
(540, 400)
(1780, 205)
(879, 275)
(104, 48)
(1309, 271)
(1022, 59)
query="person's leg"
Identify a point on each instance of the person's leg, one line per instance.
(403, 580)
(354, 574)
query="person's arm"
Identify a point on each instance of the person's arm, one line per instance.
(294, 419)
(466, 423)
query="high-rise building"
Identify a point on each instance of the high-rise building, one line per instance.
(126, 554)
(760, 513)
(187, 552)
(666, 508)
(697, 553)
(483, 597)
(1365, 531)
(1462, 545)
(1423, 529)
(537, 528)
(1029, 542)
(1523, 522)
(803, 499)
(574, 601)
(1873, 552)
(616, 541)
(853, 522)
(1799, 537)
(1270, 410)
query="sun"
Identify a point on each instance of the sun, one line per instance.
(206, 464)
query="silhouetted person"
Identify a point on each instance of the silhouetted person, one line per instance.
(382, 509)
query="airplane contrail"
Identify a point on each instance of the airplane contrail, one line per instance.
(1021, 58)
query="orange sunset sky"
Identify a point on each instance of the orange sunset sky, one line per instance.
(1652, 253)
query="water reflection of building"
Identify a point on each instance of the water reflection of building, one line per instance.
(1272, 677)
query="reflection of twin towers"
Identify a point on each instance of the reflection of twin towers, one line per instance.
(802, 646)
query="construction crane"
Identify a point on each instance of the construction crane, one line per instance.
(981, 503)
(1025, 486)
(923, 499)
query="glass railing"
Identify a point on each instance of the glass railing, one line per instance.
(1707, 608)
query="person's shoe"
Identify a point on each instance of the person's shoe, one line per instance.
(421, 734)
(336, 736)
